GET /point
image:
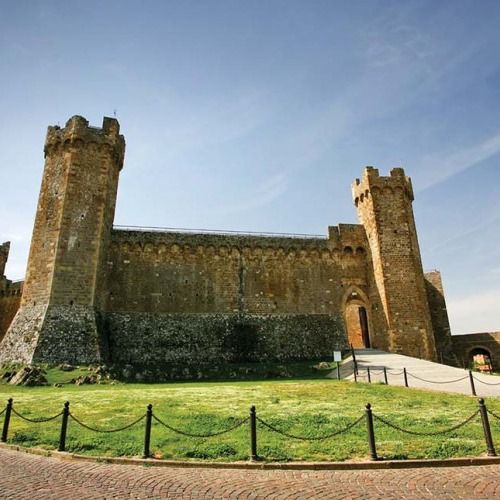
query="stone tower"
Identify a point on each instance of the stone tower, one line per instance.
(4, 255)
(384, 207)
(59, 315)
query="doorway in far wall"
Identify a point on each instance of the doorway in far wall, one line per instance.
(356, 321)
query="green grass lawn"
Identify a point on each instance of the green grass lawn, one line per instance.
(299, 407)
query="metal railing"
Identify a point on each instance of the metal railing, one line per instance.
(217, 232)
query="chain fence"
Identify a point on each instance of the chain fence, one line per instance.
(311, 438)
(253, 420)
(485, 383)
(366, 373)
(106, 431)
(494, 415)
(428, 434)
(40, 420)
(437, 381)
(207, 435)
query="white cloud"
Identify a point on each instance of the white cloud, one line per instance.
(463, 234)
(217, 122)
(439, 167)
(263, 194)
(475, 313)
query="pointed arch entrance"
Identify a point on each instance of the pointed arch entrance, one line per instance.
(356, 319)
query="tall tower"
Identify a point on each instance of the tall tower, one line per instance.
(59, 314)
(4, 255)
(384, 207)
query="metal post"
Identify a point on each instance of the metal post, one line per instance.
(406, 377)
(147, 432)
(64, 427)
(486, 429)
(472, 388)
(338, 370)
(355, 376)
(253, 434)
(369, 376)
(6, 421)
(385, 376)
(371, 432)
(354, 361)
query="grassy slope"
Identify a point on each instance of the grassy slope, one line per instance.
(301, 407)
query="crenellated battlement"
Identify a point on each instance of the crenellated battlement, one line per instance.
(345, 239)
(372, 180)
(350, 238)
(78, 134)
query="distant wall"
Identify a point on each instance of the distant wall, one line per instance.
(464, 344)
(10, 300)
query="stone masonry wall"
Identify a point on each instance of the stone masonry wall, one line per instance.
(439, 318)
(385, 210)
(197, 339)
(66, 265)
(212, 273)
(192, 295)
(4, 255)
(464, 344)
(10, 300)
(10, 293)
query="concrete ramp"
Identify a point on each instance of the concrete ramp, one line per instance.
(421, 374)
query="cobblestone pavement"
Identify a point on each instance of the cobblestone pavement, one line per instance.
(24, 476)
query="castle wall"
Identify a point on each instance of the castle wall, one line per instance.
(211, 273)
(94, 293)
(281, 297)
(465, 344)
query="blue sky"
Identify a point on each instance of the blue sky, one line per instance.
(258, 115)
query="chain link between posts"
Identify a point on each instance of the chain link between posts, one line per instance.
(494, 415)
(438, 382)
(303, 438)
(40, 420)
(437, 433)
(106, 431)
(207, 435)
(482, 382)
(3, 411)
(372, 372)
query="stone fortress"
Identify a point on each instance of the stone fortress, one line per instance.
(95, 293)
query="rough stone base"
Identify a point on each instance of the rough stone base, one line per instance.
(53, 334)
(221, 338)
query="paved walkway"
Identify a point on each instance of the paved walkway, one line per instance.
(422, 374)
(24, 476)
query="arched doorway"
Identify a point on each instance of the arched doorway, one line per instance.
(356, 320)
(480, 359)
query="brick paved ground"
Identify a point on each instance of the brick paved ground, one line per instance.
(24, 476)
